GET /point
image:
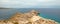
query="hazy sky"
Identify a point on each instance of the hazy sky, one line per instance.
(30, 3)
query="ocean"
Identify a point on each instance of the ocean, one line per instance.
(50, 13)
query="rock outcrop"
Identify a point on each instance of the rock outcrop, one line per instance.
(27, 18)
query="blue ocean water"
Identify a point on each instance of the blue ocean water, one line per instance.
(50, 13)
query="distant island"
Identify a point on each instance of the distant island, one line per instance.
(31, 17)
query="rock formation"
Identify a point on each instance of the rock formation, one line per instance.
(27, 18)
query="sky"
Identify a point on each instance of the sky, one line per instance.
(30, 3)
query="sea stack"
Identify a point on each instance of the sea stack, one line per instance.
(31, 17)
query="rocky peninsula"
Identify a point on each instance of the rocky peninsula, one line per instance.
(31, 17)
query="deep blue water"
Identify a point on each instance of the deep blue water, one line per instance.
(50, 13)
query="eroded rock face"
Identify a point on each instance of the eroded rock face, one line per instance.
(28, 18)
